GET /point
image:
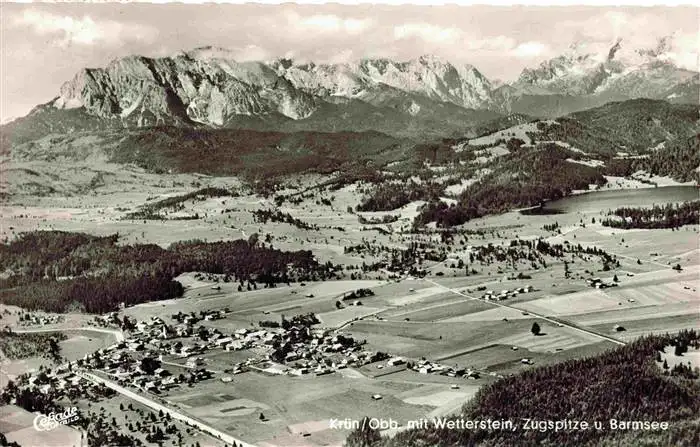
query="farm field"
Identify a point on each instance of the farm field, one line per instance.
(640, 244)
(294, 405)
(503, 360)
(650, 325)
(552, 339)
(450, 305)
(636, 314)
(417, 339)
(251, 305)
(80, 343)
(667, 289)
(343, 316)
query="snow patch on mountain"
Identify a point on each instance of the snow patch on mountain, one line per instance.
(591, 163)
(617, 71)
(207, 85)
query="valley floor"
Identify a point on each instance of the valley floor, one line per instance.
(442, 318)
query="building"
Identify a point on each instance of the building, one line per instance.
(192, 362)
(223, 341)
(395, 361)
(235, 345)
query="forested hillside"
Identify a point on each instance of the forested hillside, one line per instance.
(520, 179)
(638, 124)
(679, 159)
(254, 154)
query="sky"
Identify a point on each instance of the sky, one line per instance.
(44, 45)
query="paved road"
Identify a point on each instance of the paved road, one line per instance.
(160, 407)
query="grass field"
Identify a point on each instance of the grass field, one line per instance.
(447, 340)
(450, 305)
(651, 325)
(638, 313)
(551, 339)
(294, 405)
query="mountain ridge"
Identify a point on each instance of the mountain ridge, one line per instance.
(207, 85)
(423, 98)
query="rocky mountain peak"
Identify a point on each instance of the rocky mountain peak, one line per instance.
(585, 70)
(208, 85)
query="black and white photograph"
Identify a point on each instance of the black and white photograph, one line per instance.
(355, 224)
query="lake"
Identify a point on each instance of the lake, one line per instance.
(597, 201)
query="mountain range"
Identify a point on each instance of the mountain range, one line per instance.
(423, 97)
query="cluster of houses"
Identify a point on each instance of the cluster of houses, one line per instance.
(300, 350)
(294, 348)
(206, 315)
(146, 374)
(29, 319)
(424, 366)
(505, 293)
(109, 320)
(312, 360)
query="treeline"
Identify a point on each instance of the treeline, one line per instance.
(521, 179)
(386, 219)
(438, 153)
(359, 293)
(176, 203)
(59, 271)
(624, 384)
(666, 216)
(390, 196)
(263, 216)
(444, 215)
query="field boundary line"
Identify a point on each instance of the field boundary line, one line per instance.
(536, 315)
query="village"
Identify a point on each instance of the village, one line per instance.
(156, 356)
